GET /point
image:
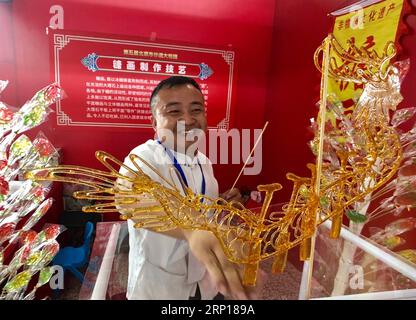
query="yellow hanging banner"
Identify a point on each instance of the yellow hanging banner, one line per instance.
(368, 24)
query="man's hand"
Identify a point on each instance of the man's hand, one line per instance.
(226, 276)
(232, 195)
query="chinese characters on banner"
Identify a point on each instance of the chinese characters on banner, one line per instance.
(108, 81)
(369, 24)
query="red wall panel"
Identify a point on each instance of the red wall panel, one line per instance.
(246, 29)
(299, 28)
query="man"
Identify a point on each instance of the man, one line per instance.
(179, 264)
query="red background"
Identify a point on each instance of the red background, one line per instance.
(275, 77)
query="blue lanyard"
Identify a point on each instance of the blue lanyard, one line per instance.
(179, 168)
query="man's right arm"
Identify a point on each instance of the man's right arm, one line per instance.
(226, 276)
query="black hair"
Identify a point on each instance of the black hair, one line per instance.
(172, 82)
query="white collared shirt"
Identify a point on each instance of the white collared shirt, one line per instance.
(160, 266)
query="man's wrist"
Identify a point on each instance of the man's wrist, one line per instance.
(187, 233)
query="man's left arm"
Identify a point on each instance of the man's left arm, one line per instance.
(233, 194)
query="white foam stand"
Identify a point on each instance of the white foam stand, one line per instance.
(103, 277)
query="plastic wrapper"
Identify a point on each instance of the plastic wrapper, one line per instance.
(25, 199)
(42, 154)
(29, 252)
(32, 113)
(3, 85)
(47, 235)
(6, 115)
(37, 215)
(19, 149)
(35, 111)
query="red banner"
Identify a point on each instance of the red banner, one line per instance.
(109, 80)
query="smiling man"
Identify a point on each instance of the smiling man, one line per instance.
(178, 114)
(179, 264)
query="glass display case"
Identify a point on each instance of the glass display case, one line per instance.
(355, 267)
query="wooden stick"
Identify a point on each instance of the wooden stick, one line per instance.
(252, 150)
